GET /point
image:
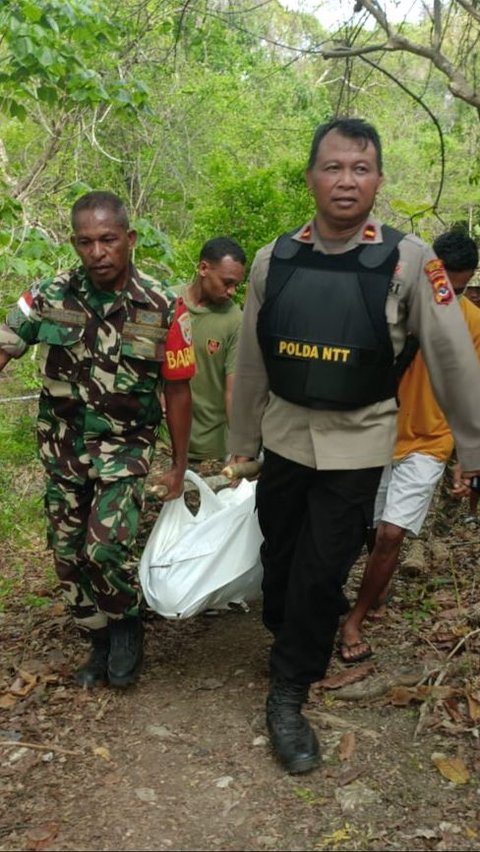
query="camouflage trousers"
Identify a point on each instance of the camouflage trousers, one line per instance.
(91, 529)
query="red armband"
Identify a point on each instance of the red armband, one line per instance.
(179, 360)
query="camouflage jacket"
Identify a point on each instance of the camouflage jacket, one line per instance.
(102, 359)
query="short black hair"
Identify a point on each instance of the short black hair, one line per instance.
(458, 251)
(353, 128)
(216, 249)
(101, 200)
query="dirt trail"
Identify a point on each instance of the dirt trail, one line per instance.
(182, 762)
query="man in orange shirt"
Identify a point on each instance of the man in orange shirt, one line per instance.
(424, 445)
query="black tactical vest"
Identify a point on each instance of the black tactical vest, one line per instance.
(322, 328)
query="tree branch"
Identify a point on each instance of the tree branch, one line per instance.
(472, 10)
(437, 23)
(433, 117)
(458, 83)
(22, 187)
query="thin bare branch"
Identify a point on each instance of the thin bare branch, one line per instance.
(24, 186)
(438, 128)
(458, 83)
(437, 23)
(470, 8)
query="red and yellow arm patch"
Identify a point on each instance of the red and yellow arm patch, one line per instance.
(179, 360)
(442, 289)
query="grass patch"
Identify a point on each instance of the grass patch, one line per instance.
(21, 508)
(22, 522)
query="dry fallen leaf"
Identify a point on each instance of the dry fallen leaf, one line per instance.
(7, 701)
(24, 683)
(452, 768)
(347, 745)
(41, 837)
(102, 751)
(401, 696)
(473, 706)
(346, 677)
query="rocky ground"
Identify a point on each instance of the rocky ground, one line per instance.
(182, 762)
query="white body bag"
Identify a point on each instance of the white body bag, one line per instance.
(205, 561)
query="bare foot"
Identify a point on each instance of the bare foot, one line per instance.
(351, 647)
(378, 611)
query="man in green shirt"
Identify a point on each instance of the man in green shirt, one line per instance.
(216, 321)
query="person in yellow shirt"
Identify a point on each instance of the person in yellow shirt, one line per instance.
(424, 446)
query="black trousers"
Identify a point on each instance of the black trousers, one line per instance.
(314, 523)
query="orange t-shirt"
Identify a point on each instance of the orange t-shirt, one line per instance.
(421, 425)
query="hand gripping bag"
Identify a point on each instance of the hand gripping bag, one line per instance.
(205, 561)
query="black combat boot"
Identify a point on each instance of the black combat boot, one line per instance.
(292, 737)
(126, 651)
(94, 671)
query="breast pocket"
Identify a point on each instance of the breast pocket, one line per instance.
(62, 351)
(139, 366)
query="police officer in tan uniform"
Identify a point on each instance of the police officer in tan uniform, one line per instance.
(328, 309)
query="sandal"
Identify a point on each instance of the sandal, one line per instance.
(354, 652)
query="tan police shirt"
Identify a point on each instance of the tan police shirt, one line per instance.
(421, 301)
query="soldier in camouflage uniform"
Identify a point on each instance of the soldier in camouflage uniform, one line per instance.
(109, 339)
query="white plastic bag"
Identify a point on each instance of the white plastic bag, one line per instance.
(205, 561)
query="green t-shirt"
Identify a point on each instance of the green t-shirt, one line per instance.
(215, 331)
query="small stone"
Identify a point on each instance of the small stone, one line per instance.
(146, 794)
(224, 781)
(160, 731)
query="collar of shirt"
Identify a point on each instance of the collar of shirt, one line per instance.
(368, 234)
(134, 290)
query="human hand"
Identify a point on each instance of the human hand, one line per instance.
(462, 481)
(169, 485)
(241, 466)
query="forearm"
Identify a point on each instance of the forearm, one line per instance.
(178, 400)
(4, 359)
(250, 392)
(452, 364)
(228, 397)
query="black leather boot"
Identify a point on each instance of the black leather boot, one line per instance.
(126, 651)
(292, 737)
(94, 671)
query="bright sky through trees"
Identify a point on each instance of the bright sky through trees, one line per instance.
(331, 13)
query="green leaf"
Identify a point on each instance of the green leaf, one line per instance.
(23, 47)
(17, 110)
(47, 94)
(51, 22)
(32, 11)
(408, 208)
(78, 188)
(45, 57)
(20, 266)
